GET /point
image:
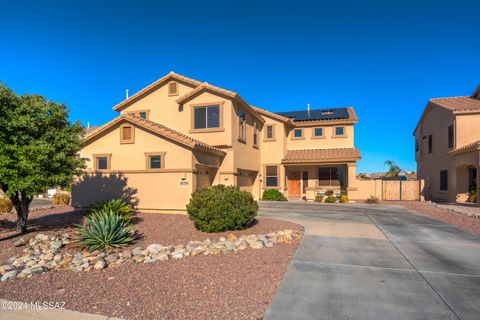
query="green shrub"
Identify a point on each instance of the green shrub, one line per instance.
(330, 199)
(318, 198)
(273, 195)
(5, 205)
(61, 199)
(329, 193)
(373, 200)
(343, 198)
(105, 229)
(221, 208)
(117, 206)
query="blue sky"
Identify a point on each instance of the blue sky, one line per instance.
(384, 58)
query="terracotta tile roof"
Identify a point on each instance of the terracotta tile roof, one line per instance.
(152, 86)
(206, 86)
(469, 147)
(352, 118)
(458, 103)
(159, 129)
(272, 115)
(321, 155)
(87, 130)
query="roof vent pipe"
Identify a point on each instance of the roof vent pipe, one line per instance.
(126, 94)
(308, 109)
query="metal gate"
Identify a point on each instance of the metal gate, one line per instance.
(400, 190)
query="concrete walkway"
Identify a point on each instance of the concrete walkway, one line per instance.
(13, 311)
(376, 262)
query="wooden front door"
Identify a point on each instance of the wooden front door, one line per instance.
(294, 184)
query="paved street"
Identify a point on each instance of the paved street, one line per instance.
(376, 262)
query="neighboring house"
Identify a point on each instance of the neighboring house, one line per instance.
(447, 147)
(178, 134)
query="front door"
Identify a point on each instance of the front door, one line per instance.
(294, 184)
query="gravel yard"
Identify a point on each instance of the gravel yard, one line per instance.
(461, 220)
(237, 285)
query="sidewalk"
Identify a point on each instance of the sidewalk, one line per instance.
(33, 314)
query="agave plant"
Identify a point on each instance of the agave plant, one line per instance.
(118, 206)
(105, 229)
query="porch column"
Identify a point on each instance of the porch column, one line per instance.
(351, 176)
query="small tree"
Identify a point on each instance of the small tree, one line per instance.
(393, 169)
(38, 149)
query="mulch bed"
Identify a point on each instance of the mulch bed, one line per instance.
(238, 285)
(462, 221)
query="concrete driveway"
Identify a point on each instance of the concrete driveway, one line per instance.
(376, 262)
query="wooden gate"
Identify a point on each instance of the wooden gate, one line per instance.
(400, 190)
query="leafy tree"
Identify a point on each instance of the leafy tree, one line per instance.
(393, 169)
(38, 149)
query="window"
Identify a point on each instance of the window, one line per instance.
(173, 89)
(444, 180)
(269, 132)
(207, 117)
(330, 176)
(430, 144)
(450, 136)
(101, 162)
(339, 131)
(127, 134)
(140, 113)
(242, 126)
(255, 134)
(143, 115)
(155, 160)
(298, 133)
(271, 176)
(318, 132)
(417, 145)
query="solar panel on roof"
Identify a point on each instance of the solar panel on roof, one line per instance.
(319, 114)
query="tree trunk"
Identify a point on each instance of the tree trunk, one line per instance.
(22, 204)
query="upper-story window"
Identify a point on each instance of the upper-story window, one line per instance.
(339, 131)
(269, 132)
(127, 133)
(143, 115)
(430, 144)
(417, 145)
(318, 132)
(450, 136)
(297, 133)
(206, 117)
(255, 134)
(242, 126)
(173, 89)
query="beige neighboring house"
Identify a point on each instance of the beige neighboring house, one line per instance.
(447, 147)
(178, 134)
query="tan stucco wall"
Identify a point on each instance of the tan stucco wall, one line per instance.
(467, 129)
(327, 141)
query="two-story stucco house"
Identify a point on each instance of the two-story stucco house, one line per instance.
(178, 134)
(447, 147)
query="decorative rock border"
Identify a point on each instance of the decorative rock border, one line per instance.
(468, 210)
(42, 253)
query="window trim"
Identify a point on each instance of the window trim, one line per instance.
(451, 146)
(122, 139)
(440, 181)
(242, 127)
(276, 165)
(335, 135)
(162, 160)
(176, 93)
(102, 155)
(265, 138)
(318, 137)
(200, 105)
(255, 134)
(297, 138)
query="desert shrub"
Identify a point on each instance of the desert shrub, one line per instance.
(273, 195)
(5, 205)
(329, 193)
(221, 208)
(117, 206)
(472, 197)
(61, 199)
(330, 199)
(373, 200)
(343, 198)
(318, 198)
(105, 229)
